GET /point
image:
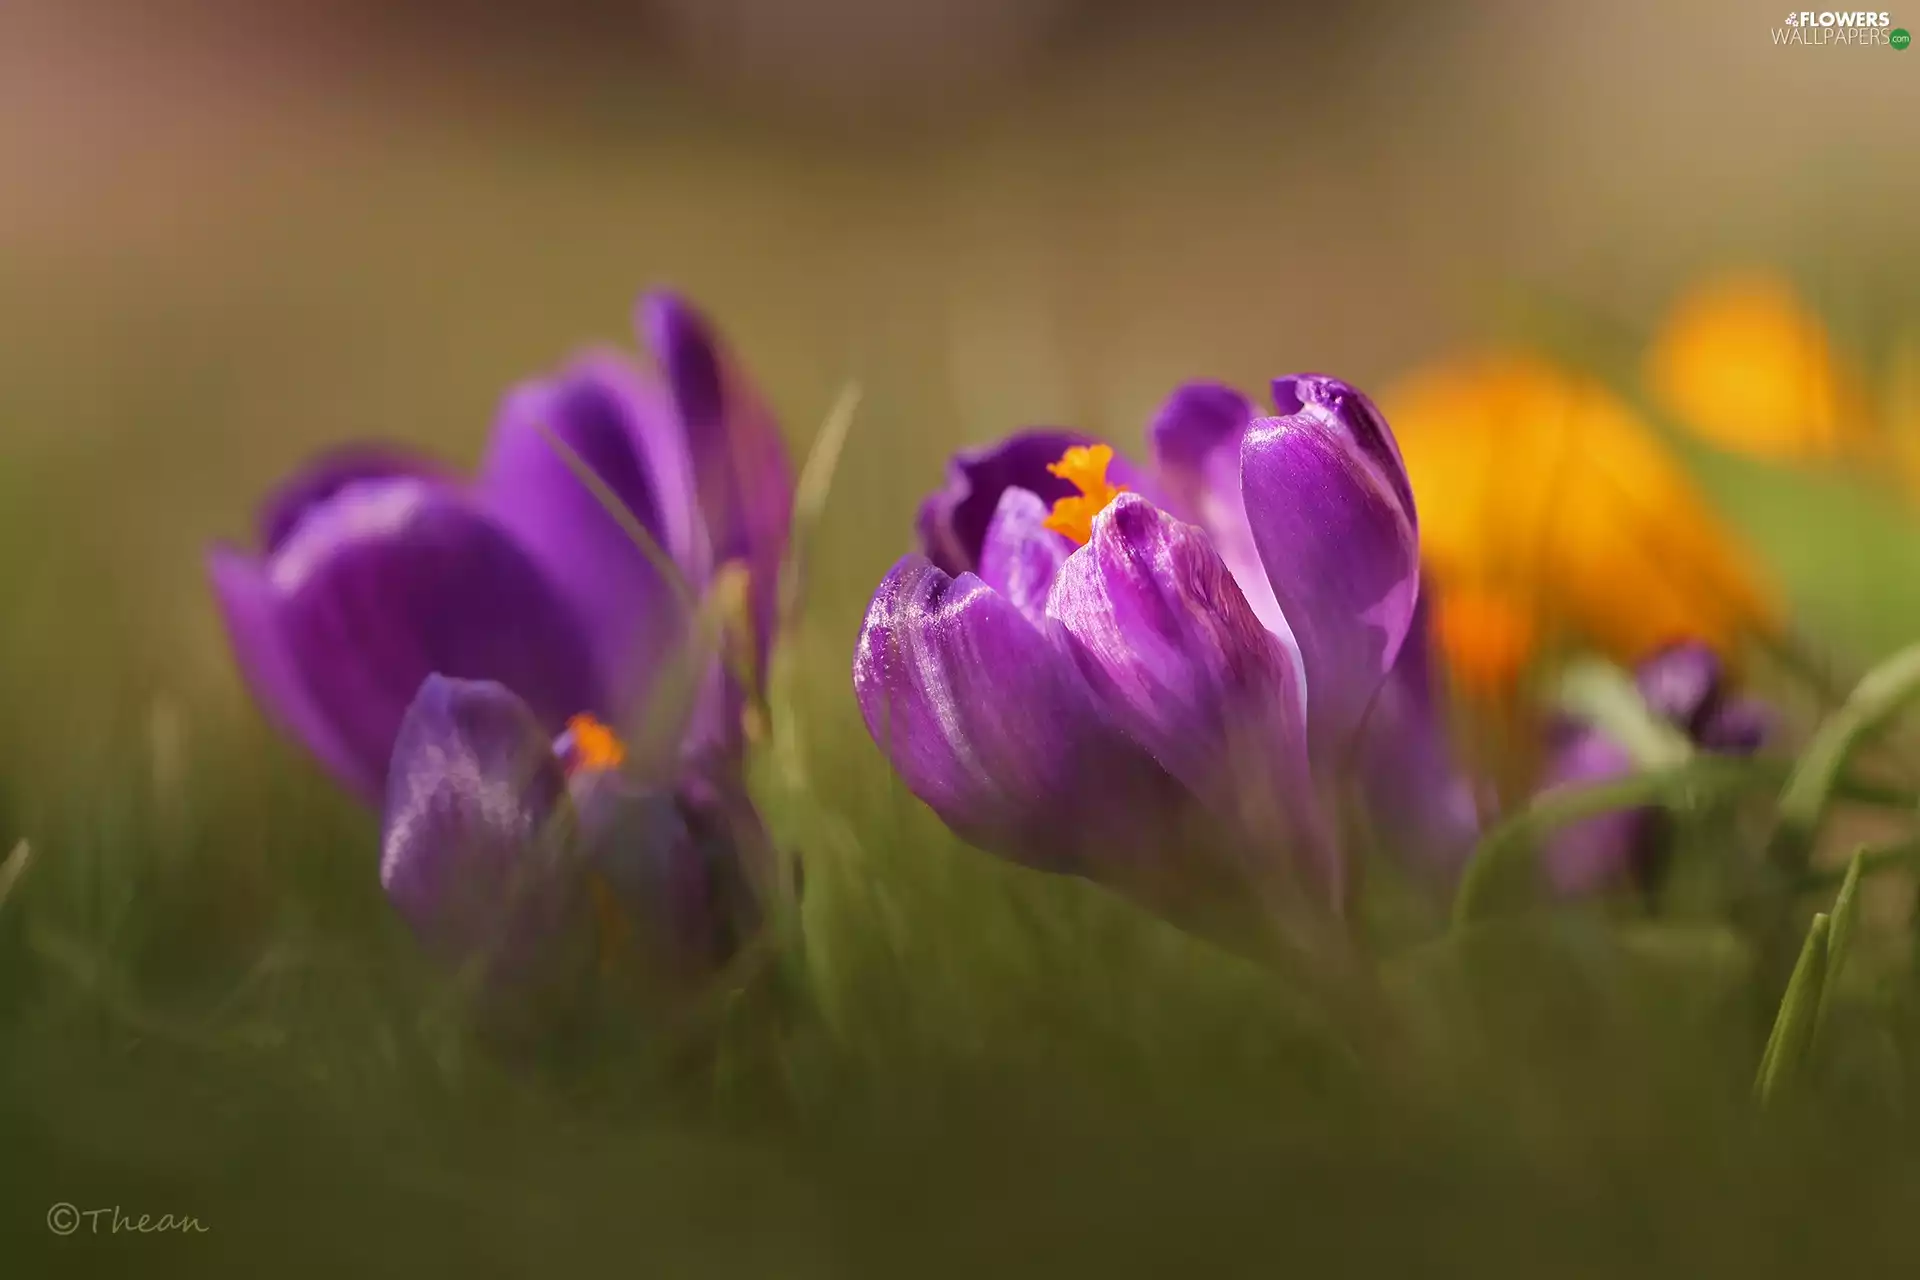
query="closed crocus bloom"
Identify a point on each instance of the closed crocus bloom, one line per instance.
(536, 858)
(1553, 515)
(376, 570)
(1742, 361)
(1685, 686)
(1150, 678)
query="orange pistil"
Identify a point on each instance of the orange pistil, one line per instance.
(1085, 468)
(596, 748)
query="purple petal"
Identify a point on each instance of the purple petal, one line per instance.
(1680, 682)
(473, 849)
(621, 428)
(1738, 727)
(322, 478)
(1341, 552)
(1021, 555)
(1601, 852)
(1196, 440)
(1345, 412)
(1198, 422)
(953, 522)
(740, 469)
(252, 612)
(1177, 658)
(1423, 805)
(681, 864)
(986, 720)
(393, 581)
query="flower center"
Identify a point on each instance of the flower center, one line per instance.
(591, 747)
(1486, 637)
(1084, 466)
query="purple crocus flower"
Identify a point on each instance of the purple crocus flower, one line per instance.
(1684, 685)
(535, 857)
(378, 569)
(441, 646)
(1096, 669)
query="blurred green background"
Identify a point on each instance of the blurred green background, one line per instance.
(231, 235)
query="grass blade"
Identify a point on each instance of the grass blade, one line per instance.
(809, 504)
(12, 869)
(1809, 790)
(810, 496)
(1607, 698)
(629, 524)
(682, 682)
(1506, 854)
(1790, 1044)
(1846, 910)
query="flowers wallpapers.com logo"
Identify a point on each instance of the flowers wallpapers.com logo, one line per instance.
(1856, 28)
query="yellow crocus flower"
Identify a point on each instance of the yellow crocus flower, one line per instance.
(1550, 514)
(1902, 408)
(1743, 362)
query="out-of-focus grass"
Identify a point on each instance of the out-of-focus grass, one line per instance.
(208, 1009)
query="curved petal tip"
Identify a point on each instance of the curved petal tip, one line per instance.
(473, 842)
(1177, 657)
(251, 610)
(987, 721)
(1342, 555)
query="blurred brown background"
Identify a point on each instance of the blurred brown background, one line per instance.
(232, 232)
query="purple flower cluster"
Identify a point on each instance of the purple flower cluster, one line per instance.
(1149, 677)
(445, 647)
(1180, 680)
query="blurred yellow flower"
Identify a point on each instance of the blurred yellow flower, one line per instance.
(1743, 362)
(1487, 634)
(1901, 406)
(1550, 514)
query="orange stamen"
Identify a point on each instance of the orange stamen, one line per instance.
(596, 748)
(1085, 468)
